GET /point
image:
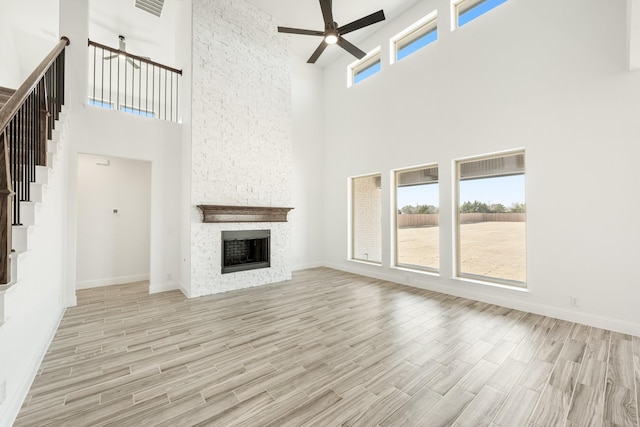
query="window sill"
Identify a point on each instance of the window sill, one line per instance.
(492, 284)
(360, 261)
(417, 271)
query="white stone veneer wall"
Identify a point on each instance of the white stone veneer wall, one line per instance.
(241, 135)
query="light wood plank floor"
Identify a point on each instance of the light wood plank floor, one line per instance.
(327, 348)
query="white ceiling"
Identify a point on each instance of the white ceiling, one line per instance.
(146, 34)
(306, 14)
(151, 36)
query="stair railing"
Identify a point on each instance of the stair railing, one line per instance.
(133, 84)
(26, 122)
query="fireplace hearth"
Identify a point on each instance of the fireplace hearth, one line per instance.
(245, 250)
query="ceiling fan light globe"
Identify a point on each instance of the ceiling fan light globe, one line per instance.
(331, 39)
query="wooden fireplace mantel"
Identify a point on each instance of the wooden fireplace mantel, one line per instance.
(218, 213)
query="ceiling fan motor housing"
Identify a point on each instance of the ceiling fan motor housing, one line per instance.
(332, 33)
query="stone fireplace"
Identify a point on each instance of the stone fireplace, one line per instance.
(239, 247)
(240, 154)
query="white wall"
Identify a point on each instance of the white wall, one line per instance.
(184, 35)
(36, 303)
(104, 132)
(9, 70)
(27, 37)
(112, 133)
(550, 77)
(307, 95)
(112, 247)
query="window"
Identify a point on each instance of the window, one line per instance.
(415, 37)
(468, 10)
(366, 219)
(137, 111)
(100, 103)
(491, 230)
(364, 68)
(417, 226)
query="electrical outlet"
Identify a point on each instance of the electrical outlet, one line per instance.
(169, 276)
(574, 301)
(3, 391)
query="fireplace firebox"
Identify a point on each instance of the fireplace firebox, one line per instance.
(245, 250)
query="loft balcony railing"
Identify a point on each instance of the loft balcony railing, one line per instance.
(132, 84)
(26, 122)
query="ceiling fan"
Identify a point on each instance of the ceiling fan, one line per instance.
(332, 34)
(122, 51)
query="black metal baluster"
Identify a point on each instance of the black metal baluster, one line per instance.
(21, 151)
(13, 167)
(30, 163)
(146, 88)
(41, 160)
(153, 90)
(171, 115)
(32, 153)
(94, 71)
(102, 78)
(139, 85)
(177, 96)
(118, 85)
(48, 86)
(125, 82)
(133, 82)
(60, 71)
(110, 80)
(25, 150)
(54, 91)
(62, 87)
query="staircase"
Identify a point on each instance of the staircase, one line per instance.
(31, 122)
(25, 232)
(30, 209)
(5, 94)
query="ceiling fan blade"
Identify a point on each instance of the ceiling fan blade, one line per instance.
(317, 53)
(300, 31)
(327, 13)
(110, 57)
(343, 43)
(362, 22)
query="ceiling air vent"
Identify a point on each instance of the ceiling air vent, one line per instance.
(154, 7)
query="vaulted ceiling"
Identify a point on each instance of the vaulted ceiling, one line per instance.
(149, 35)
(307, 14)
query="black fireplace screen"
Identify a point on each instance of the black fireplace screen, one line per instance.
(245, 250)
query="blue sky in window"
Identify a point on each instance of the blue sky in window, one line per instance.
(478, 10)
(98, 103)
(418, 195)
(417, 44)
(136, 111)
(367, 72)
(505, 190)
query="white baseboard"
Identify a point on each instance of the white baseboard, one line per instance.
(589, 319)
(308, 265)
(96, 283)
(185, 291)
(156, 288)
(15, 403)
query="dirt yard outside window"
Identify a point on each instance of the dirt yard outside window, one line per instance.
(491, 249)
